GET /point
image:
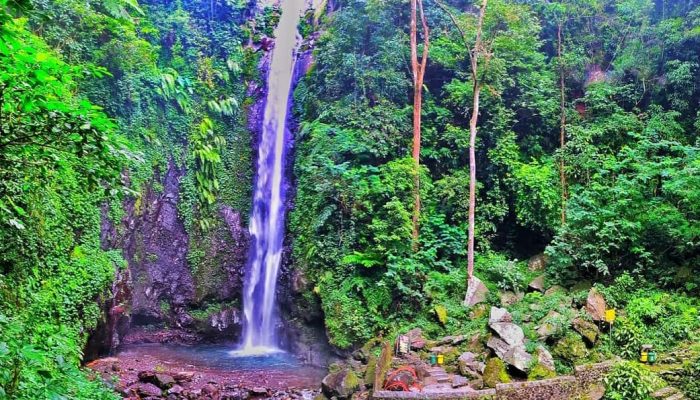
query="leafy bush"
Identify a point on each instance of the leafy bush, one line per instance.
(630, 380)
(690, 380)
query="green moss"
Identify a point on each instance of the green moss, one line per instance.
(539, 371)
(441, 313)
(571, 348)
(495, 373)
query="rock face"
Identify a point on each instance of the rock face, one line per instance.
(509, 345)
(341, 384)
(476, 292)
(595, 305)
(155, 245)
(159, 287)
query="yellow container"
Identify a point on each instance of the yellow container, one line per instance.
(610, 316)
(644, 357)
(440, 359)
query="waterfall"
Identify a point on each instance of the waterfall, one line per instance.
(267, 219)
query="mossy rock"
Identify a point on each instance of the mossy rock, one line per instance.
(495, 373)
(441, 313)
(341, 384)
(371, 370)
(571, 348)
(539, 371)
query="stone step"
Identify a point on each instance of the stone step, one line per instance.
(677, 396)
(436, 370)
(443, 379)
(664, 393)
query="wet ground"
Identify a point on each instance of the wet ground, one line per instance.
(207, 365)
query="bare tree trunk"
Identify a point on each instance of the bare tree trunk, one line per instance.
(476, 51)
(418, 70)
(562, 131)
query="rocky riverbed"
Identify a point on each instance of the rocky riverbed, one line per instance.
(205, 372)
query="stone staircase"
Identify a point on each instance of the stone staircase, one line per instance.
(438, 375)
(668, 393)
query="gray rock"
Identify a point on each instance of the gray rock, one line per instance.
(469, 366)
(509, 332)
(509, 298)
(499, 315)
(258, 391)
(453, 340)
(544, 358)
(518, 357)
(548, 326)
(476, 384)
(164, 381)
(476, 292)
(537, 284)
(498, 346)
(176, 389)
(459, 381)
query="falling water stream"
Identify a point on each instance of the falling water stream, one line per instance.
(267, 219)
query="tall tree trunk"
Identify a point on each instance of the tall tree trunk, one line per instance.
(475, 53)
(418, 70)
(562, 126)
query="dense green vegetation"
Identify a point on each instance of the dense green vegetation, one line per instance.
(99, 99)
(630, 70)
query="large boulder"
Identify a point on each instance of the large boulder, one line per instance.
(537, 284)
(476, 292)
(341, 384)
(518, 357)
(501, 322)
(499, 315)
(571, 348)
(595, 305)
(509, 332)
(587, 329)
(509, 345)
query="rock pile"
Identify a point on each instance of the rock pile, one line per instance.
(509, 341)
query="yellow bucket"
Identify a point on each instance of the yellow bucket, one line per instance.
(644, 357)
(440, 359)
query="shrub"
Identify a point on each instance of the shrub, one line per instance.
(629, 380)
(690, 380)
